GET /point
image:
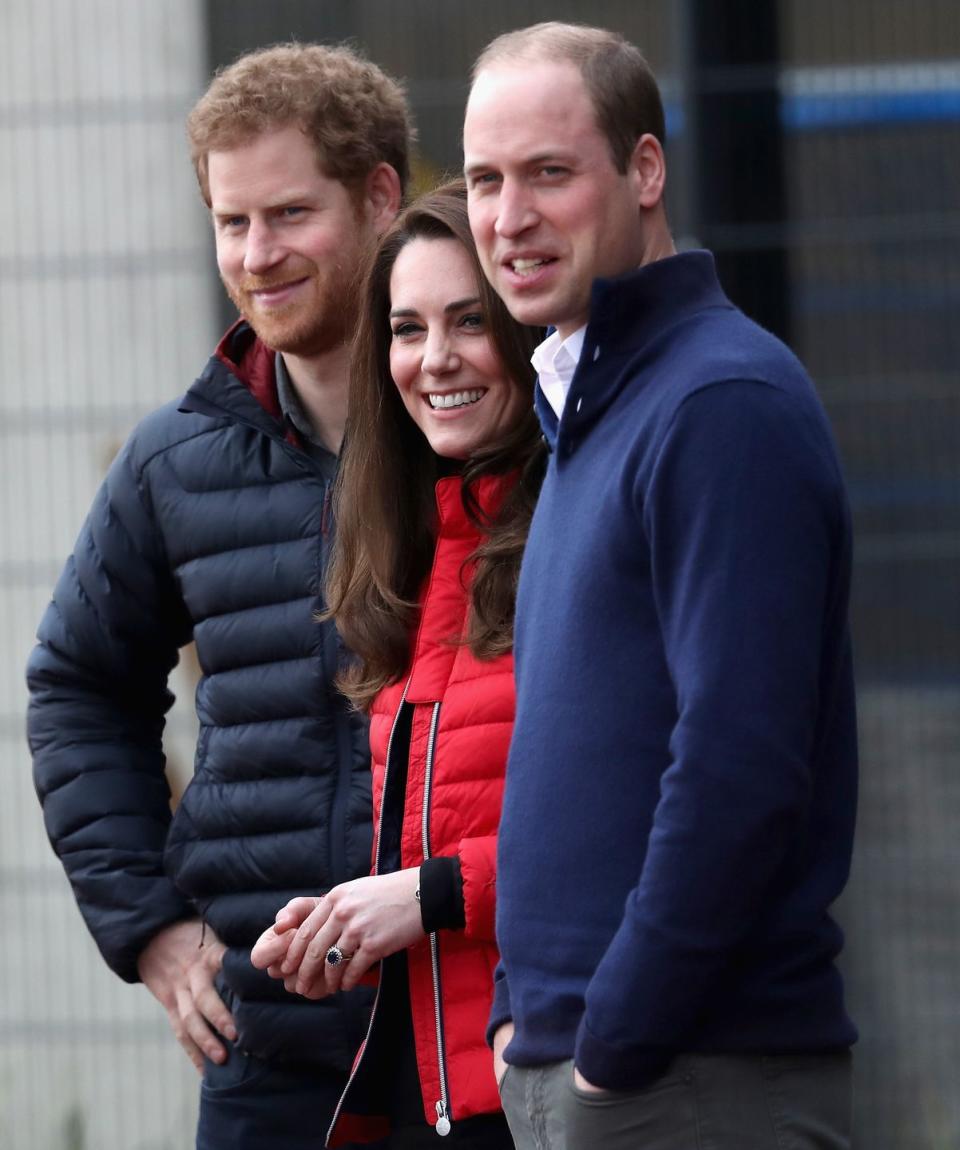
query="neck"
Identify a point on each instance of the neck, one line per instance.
(322, 383)
(658, 245)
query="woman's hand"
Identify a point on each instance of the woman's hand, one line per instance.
(367, 919)
(271, 947)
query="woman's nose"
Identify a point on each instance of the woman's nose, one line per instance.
(439, 355)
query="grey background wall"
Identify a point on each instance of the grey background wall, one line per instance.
(814, 146)
(106, 310)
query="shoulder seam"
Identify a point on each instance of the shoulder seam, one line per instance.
(178, 442)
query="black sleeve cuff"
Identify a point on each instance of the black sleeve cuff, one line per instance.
(441, 894)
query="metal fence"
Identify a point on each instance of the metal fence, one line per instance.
(814, 145)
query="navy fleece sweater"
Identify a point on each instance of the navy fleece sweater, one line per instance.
(681, 788)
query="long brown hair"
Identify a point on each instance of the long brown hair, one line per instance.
(384, 498)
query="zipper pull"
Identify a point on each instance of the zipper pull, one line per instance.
(443, 1122)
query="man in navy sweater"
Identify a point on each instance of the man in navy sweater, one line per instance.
(681, 790)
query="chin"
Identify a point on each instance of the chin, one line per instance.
(455, 452)
(527, 311)
(299, 340)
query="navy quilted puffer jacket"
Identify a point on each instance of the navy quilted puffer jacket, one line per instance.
(210, 525)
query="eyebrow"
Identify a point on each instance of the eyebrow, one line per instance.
(553, 156)
(456, 305)
(297, 199)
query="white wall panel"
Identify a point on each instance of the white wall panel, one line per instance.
(107, 309)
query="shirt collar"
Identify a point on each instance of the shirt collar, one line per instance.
(555, 362)
(295, 416)
(290, 403)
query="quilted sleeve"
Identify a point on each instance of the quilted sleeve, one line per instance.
(98, 697)
(478, 867)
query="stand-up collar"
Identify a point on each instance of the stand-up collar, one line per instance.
(444, 599)
(634, 308)
(239, 380)
(628, 315)
(252, 362)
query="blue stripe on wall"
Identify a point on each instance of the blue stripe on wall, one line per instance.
(816, 99)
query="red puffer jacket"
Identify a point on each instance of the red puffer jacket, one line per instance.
(461, 717)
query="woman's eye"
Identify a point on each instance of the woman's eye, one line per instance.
(404, 330)
(473, 319)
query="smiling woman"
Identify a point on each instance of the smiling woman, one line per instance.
(442, 357)
(440, 472)
(432, 328)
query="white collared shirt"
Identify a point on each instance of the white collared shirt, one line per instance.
(555, 360)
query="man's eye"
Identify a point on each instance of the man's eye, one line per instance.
(484, 180)
(294, 210)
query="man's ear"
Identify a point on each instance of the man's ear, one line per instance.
(382, 196)
(648, 169)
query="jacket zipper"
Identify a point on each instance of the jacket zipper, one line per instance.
(443, 1102)
(386, 771)
(325, 511)
(329, 657)
(376, 870)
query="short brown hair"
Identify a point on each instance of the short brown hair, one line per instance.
(619, 81)
(355, 114)
(385, 506)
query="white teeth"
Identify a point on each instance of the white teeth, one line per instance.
(521, 267)
(454, 399)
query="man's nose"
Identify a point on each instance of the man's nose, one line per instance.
(262, 251)
(516, 212)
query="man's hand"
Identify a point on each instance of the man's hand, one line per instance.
(500, 1039)
(582, 1084)
(179, 973)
